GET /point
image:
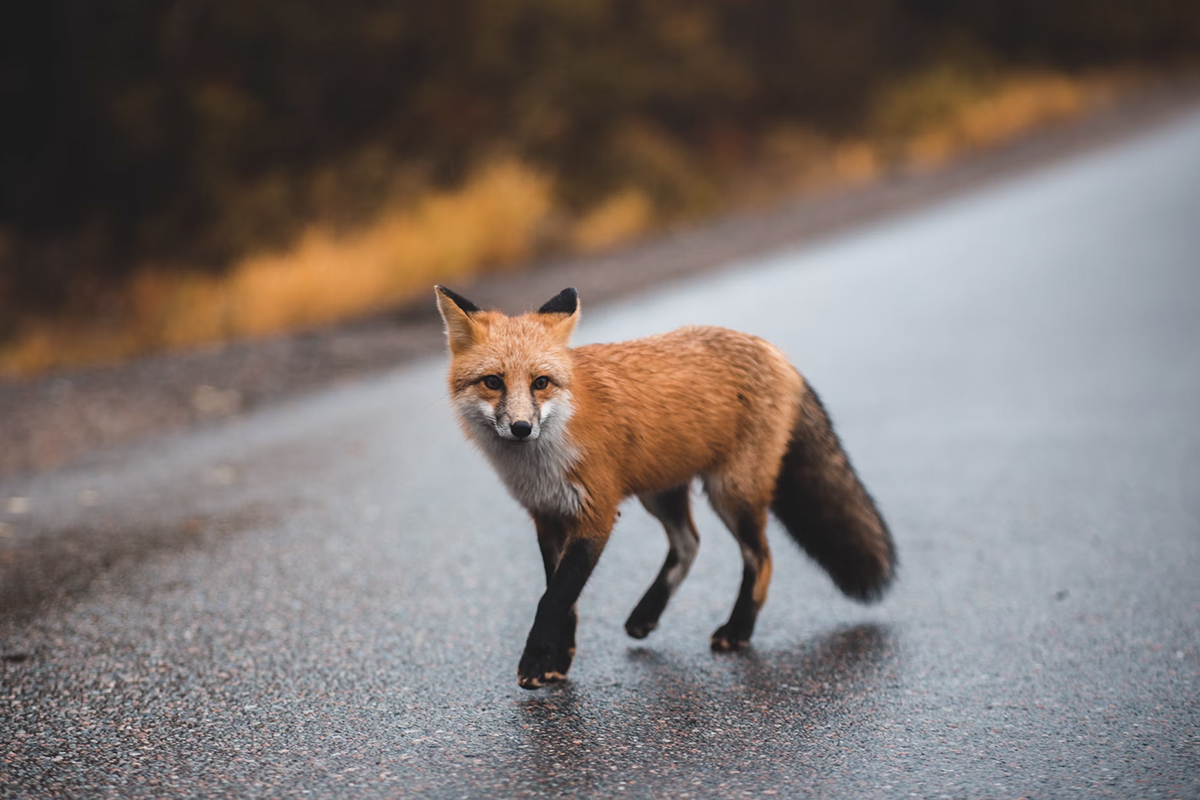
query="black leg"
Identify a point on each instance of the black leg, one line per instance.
(750, 530)
(644, 617)
(552, 540)
(552, 537)
(671, 508)
(550, 647)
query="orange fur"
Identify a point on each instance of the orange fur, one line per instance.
(656, 412)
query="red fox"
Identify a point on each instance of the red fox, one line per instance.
(572, 432)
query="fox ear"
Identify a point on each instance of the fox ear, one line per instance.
(456, 311)
(564, 311)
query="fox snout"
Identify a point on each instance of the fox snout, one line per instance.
(509, 416)
(515, 427)
(517, 416)
(517, 430)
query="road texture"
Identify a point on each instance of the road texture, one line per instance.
(330, 597)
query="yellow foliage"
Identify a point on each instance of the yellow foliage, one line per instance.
(855, 162)
(937, 113)
(668, 171)
(1020, 105)
(620, 218)
(499, 216)
(492, 221)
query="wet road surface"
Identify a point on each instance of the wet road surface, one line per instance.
(329, 597)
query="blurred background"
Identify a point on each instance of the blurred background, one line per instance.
(174, 172)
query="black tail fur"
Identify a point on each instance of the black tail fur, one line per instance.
(826, 509)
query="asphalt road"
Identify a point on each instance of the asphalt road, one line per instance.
(330, 597)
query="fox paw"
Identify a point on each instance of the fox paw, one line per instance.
(539, 669)
(537, 681)
(727, 640)
(640, 629)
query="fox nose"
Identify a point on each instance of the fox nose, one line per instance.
(521, 429)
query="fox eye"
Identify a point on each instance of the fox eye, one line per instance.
(493, 382)
(541, 383)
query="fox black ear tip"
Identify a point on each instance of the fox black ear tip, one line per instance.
(565, 302)
(466, 305)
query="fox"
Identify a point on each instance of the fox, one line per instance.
(574, 432)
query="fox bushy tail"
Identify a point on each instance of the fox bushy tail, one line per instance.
(826, 509)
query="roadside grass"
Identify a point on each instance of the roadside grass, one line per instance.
(509, 212)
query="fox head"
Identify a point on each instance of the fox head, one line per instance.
(510, 377)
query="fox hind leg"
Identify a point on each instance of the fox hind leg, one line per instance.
(748, 524)
(672, 509)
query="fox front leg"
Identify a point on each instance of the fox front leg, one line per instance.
(552, 541)
(550, 647)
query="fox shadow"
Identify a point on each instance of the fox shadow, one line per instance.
(673, 711)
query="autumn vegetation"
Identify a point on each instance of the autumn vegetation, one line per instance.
(177, 172)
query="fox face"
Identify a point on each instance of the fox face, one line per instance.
(510, 380)
(510, 376)
(511, 393)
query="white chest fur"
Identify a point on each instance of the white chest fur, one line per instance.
(536, 473)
